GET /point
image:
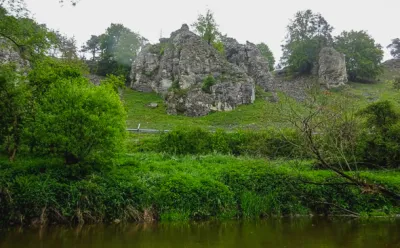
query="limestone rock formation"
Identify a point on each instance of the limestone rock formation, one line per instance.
(331, 68)
(392, 64)
(223, 97)
(8, 54)
(177, 68)
(248, 58)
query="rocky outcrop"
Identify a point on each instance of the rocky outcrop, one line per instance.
(248, 58)
(392, 64)
(222, 97)
(177, 68)
(331, 68)
(8, 54)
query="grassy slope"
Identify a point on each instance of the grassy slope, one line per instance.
(245, 116)
(254, 116)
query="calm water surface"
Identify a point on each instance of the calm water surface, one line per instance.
(299, 232)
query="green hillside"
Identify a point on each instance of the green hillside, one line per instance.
(259, 115)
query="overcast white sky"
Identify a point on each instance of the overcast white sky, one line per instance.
(252, 20)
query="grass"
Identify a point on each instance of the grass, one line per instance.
(150, 186)
(252, 116)
(260, 115)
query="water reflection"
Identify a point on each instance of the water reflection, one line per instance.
(297, 232)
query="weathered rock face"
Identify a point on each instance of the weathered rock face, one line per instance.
(9, 55)
(223, 97)
(392, 64)
(331, 68)
(176, 68)
(250, 60)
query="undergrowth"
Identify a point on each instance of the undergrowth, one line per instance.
(151, 187)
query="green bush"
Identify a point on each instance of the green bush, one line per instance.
(396, 83)
(186, 141)
(269, 143)
(207, 83)
(153, 186)
(219, 46)
(80, 121)
(379, 144)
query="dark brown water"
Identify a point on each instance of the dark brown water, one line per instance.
(299, 232)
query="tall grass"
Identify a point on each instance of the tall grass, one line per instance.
(150, 187)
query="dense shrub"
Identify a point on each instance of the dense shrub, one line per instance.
(80, 121)
(396, 83)
(379, 144)
(207, 83)
(150, 187)
(270, 143)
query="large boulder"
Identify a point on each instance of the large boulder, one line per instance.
(248, 58)
(331, 68)
(177, 68)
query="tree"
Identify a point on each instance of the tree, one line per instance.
(380, 145)
(14, 98)
(80, 121)
(92, 46)
(307, 33)
(207, 28)
(267, 54)
(363, 55)
(395, 48)
(64, 48)
(32, 40)
(16, 7)
(330, 130)
(119, 47)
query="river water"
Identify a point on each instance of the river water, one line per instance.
(290, 232)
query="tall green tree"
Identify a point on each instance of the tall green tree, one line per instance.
(307, 33)
(395, 48)
(66, 47)
(14, 99)
(363, 54)
(267, 54)
(207, 27)
(32, 40)
(92, 46)
(118, 47)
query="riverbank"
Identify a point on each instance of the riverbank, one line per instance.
(147, 187)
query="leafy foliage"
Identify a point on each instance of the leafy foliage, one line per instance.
(155, 186)
(207, 83)
(207, 27)
(118, 47)
(363, 55)
(14, 99)
(65, 48)
(50, 70)
(92, 46)
(269, 143)
(307, 33)
(80, 121)
(31, 39)
(395, 48)
(379, 142)
(115, 82)
(219, 46)
(267, 54)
